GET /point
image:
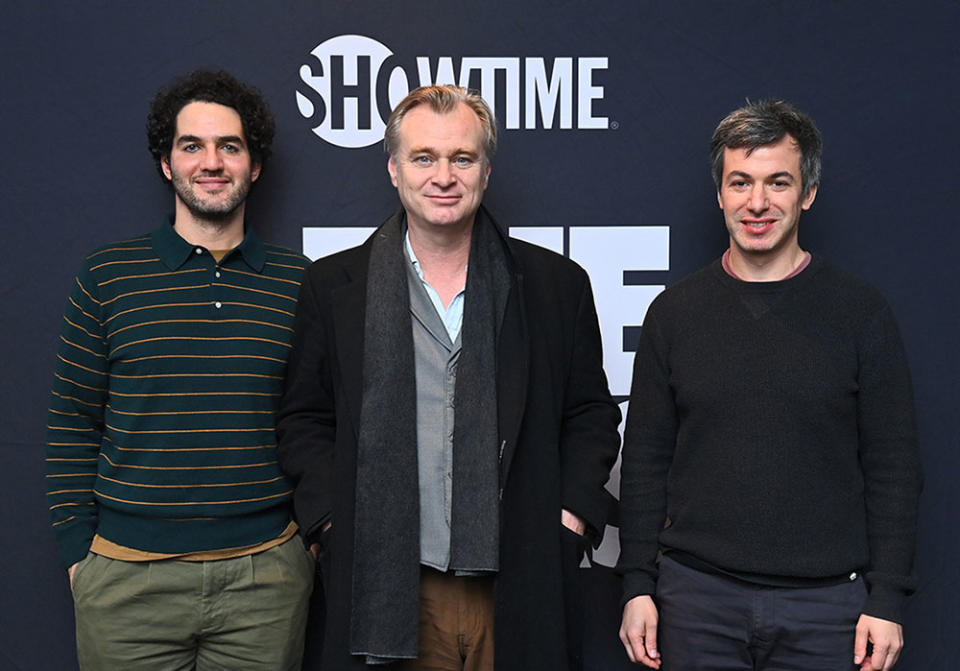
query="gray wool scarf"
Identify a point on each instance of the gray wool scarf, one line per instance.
(385, 609)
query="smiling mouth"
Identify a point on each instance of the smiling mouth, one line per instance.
(212, 184)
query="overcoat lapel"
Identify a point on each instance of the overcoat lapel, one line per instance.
(513, 363)
(348, 303)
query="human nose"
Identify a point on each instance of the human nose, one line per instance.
(444, 173)
(211, 159)
(758, 198)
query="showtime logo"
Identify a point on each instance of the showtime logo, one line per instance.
(355, 81)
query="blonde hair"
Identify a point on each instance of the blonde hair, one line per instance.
(442, 100)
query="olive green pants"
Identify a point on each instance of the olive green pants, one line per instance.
(245, 613)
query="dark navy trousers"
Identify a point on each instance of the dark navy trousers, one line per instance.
(716, 623)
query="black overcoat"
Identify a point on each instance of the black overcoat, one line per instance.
(555, 414)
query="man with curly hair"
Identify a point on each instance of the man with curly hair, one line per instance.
(171, 514)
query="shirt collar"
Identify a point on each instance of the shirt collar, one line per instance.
(413, 255)
(174, 251)
(410, 253)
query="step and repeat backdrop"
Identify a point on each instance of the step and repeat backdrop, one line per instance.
(605, 111)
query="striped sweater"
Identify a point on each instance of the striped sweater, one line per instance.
(161, 425)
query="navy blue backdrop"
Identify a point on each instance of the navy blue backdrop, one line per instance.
(607, 108)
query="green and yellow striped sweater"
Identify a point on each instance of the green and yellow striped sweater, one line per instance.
(170, 367)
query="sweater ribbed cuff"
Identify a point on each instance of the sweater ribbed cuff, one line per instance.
(73, 542)
(885, 603)
(636, 583)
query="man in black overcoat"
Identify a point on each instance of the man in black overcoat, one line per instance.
(447, 420)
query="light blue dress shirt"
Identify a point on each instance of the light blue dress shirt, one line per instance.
(452, 315)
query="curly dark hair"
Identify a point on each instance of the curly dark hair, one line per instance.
(214, 87)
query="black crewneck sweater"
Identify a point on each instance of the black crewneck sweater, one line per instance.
(772, 423)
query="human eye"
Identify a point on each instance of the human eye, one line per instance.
(231, 148)
(191, 147)
(463, 161)
(421, 160)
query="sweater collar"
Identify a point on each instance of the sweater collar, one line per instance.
(174, 251)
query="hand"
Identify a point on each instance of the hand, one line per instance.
(887, 640)
(638, 631)
(315, 547)
(71, 571)
(572, 522)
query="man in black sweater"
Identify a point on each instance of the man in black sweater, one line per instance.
(770, 452)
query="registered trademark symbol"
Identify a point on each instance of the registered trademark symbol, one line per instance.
(614, 125)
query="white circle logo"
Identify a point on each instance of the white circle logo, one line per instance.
(349, 68)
